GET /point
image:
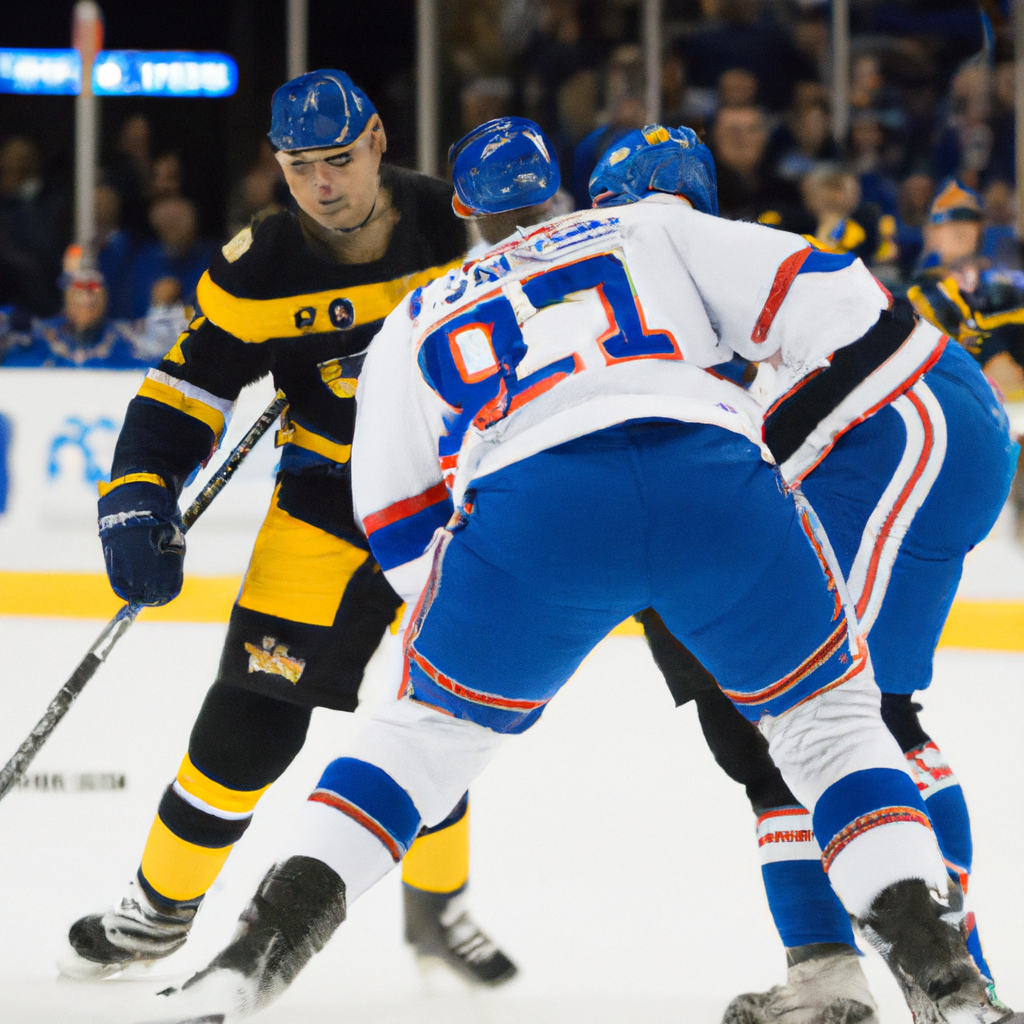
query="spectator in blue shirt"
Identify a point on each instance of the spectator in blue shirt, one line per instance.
(81, 336)
(178, 253)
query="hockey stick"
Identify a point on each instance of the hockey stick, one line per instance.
(118, 625)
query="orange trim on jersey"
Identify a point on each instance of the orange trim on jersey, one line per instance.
(782, 812)
(496, 409)
(486, 297)
(805, 522)
(426, 598)
(404, 508)
(360, 817)
(798, 675)
(491, 700)
(535, 390)
(892, 396)
(860, 660)
(784, 278)
(795, 388)
(613, 327)
(456, 350)
(897, 508)
(866, 822)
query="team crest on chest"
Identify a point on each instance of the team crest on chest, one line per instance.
(342, 314)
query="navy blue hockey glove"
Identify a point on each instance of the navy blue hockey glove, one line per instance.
(143, 541)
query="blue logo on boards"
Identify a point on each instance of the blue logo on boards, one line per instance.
(342, 314)
(79, 434)
(5, 447)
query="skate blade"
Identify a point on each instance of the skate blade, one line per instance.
(211, 1018)
(439, 978)
(76, 967)
(222, 997)
(185, 1016)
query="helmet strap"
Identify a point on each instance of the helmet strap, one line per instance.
(366, 219)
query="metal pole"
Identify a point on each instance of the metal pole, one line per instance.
(652, 58)
(840, 70)
(1018, 54)
(298, 38)
(87, 38)
(426, 86)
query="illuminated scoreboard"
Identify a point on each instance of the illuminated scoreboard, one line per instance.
(158, 73)
(119, 73)
(41, 72)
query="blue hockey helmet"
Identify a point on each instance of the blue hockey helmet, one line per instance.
(318, 110)
(656, 159)
(503, 165)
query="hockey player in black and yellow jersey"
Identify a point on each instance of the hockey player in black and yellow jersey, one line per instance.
(298, 297)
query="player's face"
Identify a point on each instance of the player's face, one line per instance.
(337, 187)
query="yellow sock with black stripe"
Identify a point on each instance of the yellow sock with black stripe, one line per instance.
(198, 822)
(438, 861)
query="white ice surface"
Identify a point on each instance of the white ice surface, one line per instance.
(611, 858)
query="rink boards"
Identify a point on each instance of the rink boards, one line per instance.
(57, 434)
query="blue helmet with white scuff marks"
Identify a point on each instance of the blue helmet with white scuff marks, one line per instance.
(503, 165)
(656, 159)
(318, 110)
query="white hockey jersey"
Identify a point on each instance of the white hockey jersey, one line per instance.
(591, 319)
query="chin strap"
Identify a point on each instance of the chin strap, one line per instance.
(348, 231)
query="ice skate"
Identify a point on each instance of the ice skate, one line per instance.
(439, 928)
(132, 932)
(825, 986)
(922, 941)
(296, 909)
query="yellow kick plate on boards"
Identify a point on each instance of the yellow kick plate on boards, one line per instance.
(977, 625)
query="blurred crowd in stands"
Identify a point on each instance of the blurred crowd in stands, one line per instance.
(124, 300)
(922, 186)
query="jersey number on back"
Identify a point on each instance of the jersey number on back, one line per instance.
(480, 363)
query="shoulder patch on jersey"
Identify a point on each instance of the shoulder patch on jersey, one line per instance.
(331, 373)
(238, 245)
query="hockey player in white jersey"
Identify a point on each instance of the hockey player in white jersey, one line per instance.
(540, 452)
(907, 462)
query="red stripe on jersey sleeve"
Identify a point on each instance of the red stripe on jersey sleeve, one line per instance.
(784, 278)
(404, 508)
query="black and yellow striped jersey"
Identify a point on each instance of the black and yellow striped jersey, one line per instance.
(270, 304)
(986, 321)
